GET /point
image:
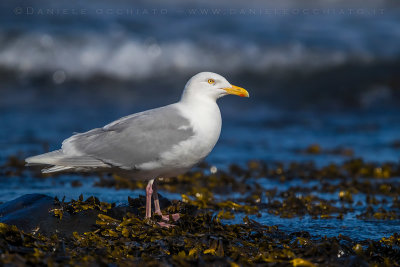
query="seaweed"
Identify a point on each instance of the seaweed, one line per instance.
(212, 204)
(198, 238)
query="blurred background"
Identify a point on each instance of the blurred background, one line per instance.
(323, 76)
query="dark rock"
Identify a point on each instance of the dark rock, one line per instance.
(33, 213)
(26, 212)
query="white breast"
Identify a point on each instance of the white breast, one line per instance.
(206, 121)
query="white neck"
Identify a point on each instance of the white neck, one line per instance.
(199, 99)
(203, 112)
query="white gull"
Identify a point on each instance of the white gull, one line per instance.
(161, 142)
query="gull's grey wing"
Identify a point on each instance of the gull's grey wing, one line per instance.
(133, 140)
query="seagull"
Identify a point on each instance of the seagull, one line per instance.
(157, 143)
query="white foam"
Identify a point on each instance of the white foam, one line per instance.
(121, 57)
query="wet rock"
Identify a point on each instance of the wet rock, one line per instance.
(26, 212)
(37, 213)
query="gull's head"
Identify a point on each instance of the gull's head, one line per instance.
(211, 85)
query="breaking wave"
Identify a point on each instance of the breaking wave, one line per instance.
(129, 59)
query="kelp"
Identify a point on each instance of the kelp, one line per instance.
(212, 203)
(198, 238)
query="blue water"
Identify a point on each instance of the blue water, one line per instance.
(328, 79)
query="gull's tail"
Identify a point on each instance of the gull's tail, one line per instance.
(50, 158)
(59, 161)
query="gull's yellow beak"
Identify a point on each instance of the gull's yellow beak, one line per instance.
(236, 90)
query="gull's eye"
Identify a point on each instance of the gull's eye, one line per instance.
(211, 81)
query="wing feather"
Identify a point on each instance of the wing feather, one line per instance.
(132, 140)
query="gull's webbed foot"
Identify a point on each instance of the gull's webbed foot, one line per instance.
(169, 217)
(166, 218)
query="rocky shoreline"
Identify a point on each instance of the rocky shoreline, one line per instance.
(226, 219)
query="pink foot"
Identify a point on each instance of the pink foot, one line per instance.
(165, 225)
(165, 218)
(174, 217)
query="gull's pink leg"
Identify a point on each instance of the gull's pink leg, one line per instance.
(157, 211)
(149, 192)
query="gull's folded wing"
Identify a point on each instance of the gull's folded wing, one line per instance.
(125, 143)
